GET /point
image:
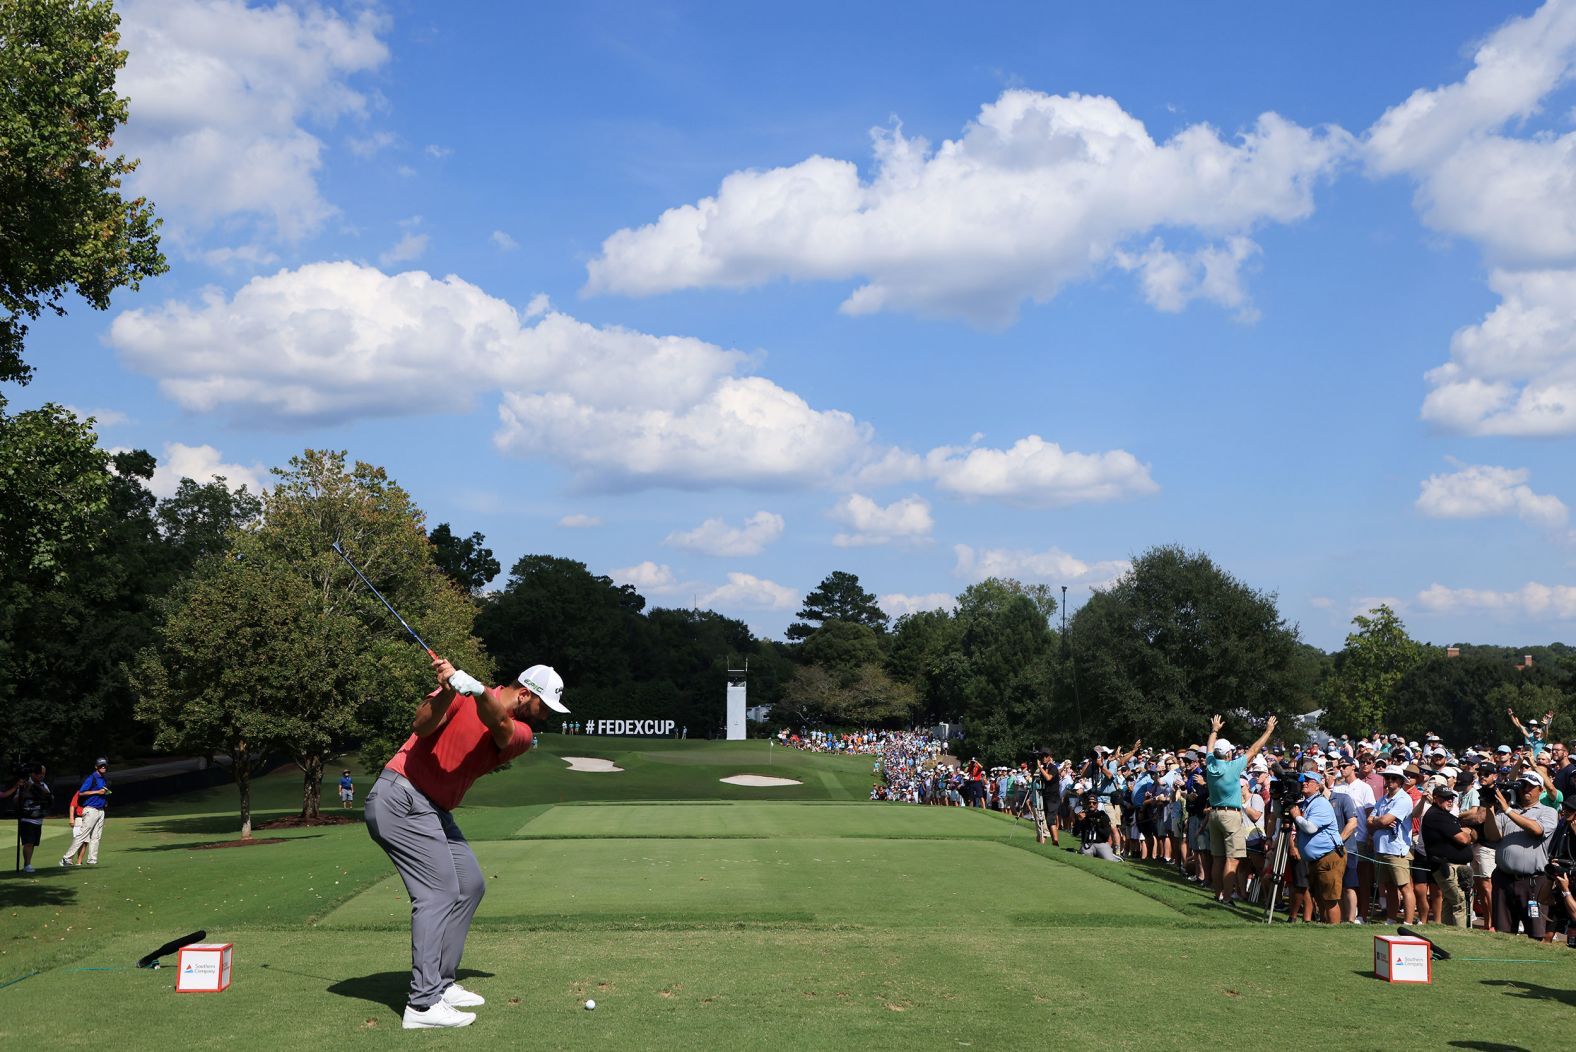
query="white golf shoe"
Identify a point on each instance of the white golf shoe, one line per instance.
(456, 996)
(438, 1014)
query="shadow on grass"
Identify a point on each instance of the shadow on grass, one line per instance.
(209, 825)
(1533, 992)
(1488, 1046)
(200, 846)
(36, 890)
(385, 988)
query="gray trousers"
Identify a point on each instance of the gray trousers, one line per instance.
(440, 874)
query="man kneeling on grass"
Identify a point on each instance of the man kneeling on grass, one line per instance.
(461, 731)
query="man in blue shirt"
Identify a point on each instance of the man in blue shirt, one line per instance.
(1319, 845)
(91, 797)
(1228, 834)
(1391, 827)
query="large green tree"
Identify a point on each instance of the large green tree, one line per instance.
(467, 561)
(839, 597)
(64, 224)
(327, 663)
(1171, 642)
(844, 681)
(1358, 692)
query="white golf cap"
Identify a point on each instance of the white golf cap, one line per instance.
(1222, 747)
(546, 684)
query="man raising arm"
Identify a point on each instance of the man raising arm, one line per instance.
(1228, 837)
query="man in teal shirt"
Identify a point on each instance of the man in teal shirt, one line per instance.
(1228, 834)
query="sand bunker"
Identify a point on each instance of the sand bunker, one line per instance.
(755, 779)
(591, 763)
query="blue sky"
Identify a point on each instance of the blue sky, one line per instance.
(719, 299)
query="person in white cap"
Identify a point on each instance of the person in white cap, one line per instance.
(461, 731)
(1228, 834)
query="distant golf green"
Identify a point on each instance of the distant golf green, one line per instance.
(709, 915)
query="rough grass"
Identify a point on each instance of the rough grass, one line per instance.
(705, 915)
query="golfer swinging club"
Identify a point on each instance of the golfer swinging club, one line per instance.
(461, 731)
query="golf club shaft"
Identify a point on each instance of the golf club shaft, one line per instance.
(385, 602)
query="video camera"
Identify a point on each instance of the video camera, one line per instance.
(1288, 793)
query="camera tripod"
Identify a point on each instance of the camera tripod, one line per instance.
(1278, 860)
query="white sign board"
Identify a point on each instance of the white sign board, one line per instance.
(631, 728)
(735, 712)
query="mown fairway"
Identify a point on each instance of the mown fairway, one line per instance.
(706, 915)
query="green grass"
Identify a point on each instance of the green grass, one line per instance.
(711, 916)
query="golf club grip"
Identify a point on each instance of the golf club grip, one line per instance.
(171, 947)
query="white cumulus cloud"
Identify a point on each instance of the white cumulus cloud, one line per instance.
(870, 523)
(222, 98)
(409, 247)
(716, 537)
(620, 409)
(503, 242)
(1531, 600)
(201, 464)
(1487, 171)
(579, 522)
(1036, 472)
(747, 592)
(647, 577)
(1051, 566)
(1477, 491)
(1172, 280)
(1038, 191)
(897, 604)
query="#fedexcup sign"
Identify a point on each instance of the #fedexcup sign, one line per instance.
(631, 728)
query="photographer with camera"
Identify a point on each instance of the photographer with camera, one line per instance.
(1560, 907)
(1093, 830)
(1319, 845)
(1228, 835)
(33, 797)
(1518, 832)
(1045, 798)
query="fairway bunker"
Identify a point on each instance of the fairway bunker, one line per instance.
(758, 780)
(593, 764)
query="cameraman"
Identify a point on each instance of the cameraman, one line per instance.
(1228, 836)
(1517, 833)
(1093, 829)
(1045, 798)
(33, 798)
(1319, 845)
(1561, 850)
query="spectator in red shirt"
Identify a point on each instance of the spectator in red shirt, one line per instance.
(461, 731)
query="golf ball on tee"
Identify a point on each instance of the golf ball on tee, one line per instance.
(590, 1004)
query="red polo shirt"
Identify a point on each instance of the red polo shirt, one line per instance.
(445, 763)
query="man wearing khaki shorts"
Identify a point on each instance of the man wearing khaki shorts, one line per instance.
(1228, 833)
(1391, 825)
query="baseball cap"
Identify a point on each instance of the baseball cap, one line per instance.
(1503, 750)
(1444, 792)
(101, 762)
(1393, 772)
(1569, 803)
(1530, 779)
(546, 684)
(1222, 747)
(1311, 776)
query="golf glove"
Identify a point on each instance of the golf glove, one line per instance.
(464, 683)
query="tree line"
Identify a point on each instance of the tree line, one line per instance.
(221, 623)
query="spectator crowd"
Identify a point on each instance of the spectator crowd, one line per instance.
(1372, 830)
